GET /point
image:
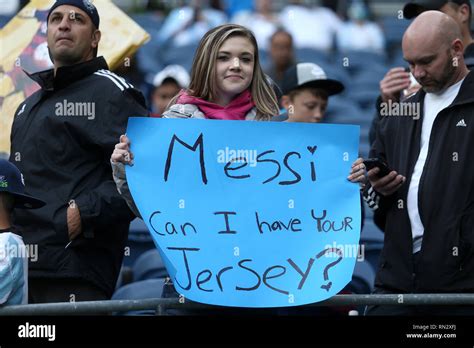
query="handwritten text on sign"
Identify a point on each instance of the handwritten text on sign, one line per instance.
(251, 214)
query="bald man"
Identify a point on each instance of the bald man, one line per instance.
(396, 83)
(459, 10)
(427, 199)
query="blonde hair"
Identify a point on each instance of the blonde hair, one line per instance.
(203, 82)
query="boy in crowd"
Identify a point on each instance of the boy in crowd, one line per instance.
(306, 90)
(13, 261)
(167, 84)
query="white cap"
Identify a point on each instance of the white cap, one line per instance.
(175, 72)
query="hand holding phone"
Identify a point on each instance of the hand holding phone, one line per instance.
(386, 181)
(377, 162)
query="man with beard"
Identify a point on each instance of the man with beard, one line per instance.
(62, 138)
(397, 83)
(428, 197)
(459, 10)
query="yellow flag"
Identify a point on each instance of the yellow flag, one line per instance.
(23, 46)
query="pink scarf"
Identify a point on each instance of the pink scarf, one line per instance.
(237, 109)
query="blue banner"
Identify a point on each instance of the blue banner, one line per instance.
(249, 214)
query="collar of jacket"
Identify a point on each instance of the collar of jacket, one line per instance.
(67, 75)
(464, 96)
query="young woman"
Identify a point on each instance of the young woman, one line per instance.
(227, 83)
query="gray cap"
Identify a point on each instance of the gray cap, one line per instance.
(311, 75)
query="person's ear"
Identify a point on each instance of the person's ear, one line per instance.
(96, 35)
(458, 48)
(463, 13)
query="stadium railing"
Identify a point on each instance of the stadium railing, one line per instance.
(160, 305)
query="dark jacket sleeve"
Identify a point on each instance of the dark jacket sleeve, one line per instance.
(376, 201)
(375, 121)
(104, 205)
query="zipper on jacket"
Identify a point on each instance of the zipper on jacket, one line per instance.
(424, 173)
(430, 148)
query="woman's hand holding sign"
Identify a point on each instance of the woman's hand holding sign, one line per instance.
(357, 174)
(122, 152)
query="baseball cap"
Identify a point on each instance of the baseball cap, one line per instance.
(414, 8)
(85, 5)
(309, 75)
(11, 181)
(175, 72)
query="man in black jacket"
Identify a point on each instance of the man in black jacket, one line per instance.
(428, 198)
(397, 80)
(62, 138)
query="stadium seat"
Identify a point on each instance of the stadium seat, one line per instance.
(368, 79)
(372, 253)
(364, 150)
(364, 146)
(138, 226)
(181, 55)
(139, 241)
(4, 20)
(125, 277)
(365, 98)
(148, 58)
(264, 58)
(311, 55)
(394, 28)
(371, 238)
(364, 85)
(397, 59)
(234, 6)
(341, 110)
(338, 72)
(372, 71)
(362, 278)
(353, 116)
(149, 21)
(149, 266)
(355, 61)
(150, 288)
(371, 233)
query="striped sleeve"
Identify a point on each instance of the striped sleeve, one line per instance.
(118, 81)
(372, 198)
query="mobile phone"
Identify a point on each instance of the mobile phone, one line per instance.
(377, 162)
